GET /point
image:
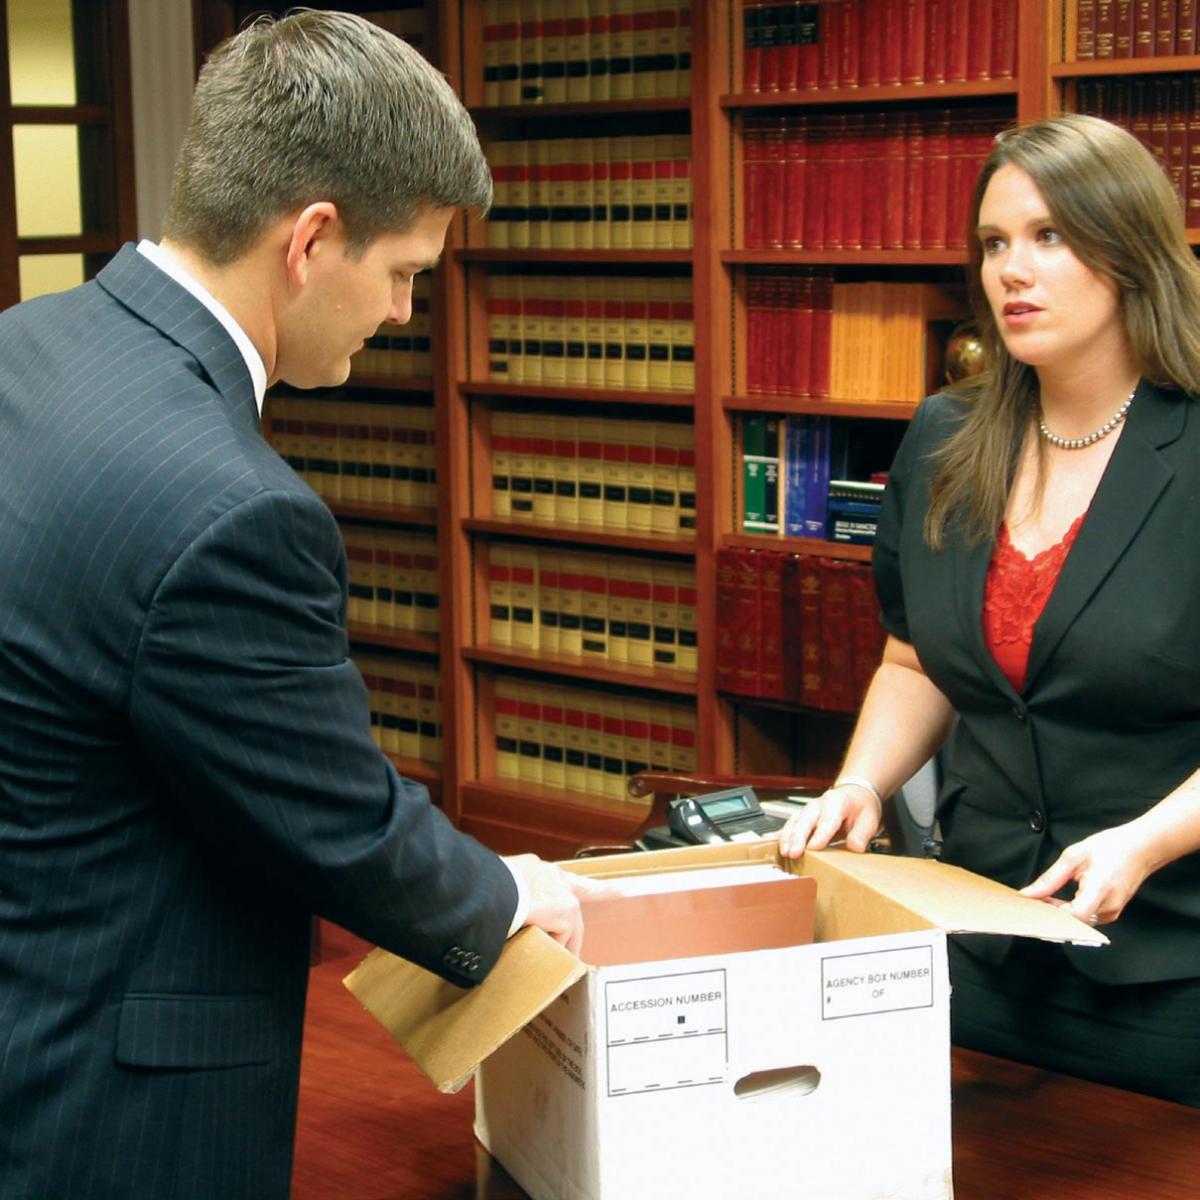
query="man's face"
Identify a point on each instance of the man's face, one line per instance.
(345, 299)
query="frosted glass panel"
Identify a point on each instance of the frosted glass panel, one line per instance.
(47, 167)
(42, 273)
(41, 53)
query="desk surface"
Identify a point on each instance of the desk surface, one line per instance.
(372, 1128)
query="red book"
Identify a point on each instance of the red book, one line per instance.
(769, 41)
(836, 636)
(795, 172)
(834, 176)
(800, 332)
(963, 169)
(755, 333)
(979, 47)
(912, 36)
(1004, 39)
(727, 615)
(789, 51)
(891, 168)
(770, 682)
(822, 327)
(892, 59)
(848, 23)
(791, 637)
(1177, 135)
(773, 183)
(936, 45)
(814, 661)
(1160, 121)
(853, 170)
(1114, 28)
(1085, 30)
(870, 44)
(872, 180)
(1185, 27)
(768, 340)
(1164, 28)
(754, 145)
(814, 192)
(752, 17)
(1143, 28)
(830, 43)
(1192, 172)
(958, 37)
(808, 57)
(1139, 110)
(914, 181)
(867, 634)
(747, 628)
(935, 185)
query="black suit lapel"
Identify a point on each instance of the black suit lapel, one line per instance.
(157, 299)
(1134, 479)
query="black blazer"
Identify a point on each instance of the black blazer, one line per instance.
(186, 770)
(1109, 719)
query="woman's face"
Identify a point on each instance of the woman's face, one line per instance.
(1052, 310)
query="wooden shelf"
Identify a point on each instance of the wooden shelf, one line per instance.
(892, 93)
(80, 243)
(1091, 68)
(483, 254)
(791, 706)
(388, 513)
(589, 395)
(816, 406)
(833, 258)
(369, 635)
(793, 545)
(418, 771)
(389, 383)
(583, 535)
(594, 670)
(593, 108)
(538, 805)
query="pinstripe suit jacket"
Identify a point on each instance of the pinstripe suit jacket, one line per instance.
(186, 771)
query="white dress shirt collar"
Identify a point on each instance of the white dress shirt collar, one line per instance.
(254, 363)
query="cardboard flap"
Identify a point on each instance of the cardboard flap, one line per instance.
(449, 1031)
(958, 901)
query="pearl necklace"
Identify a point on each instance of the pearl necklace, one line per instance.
(1078, 443)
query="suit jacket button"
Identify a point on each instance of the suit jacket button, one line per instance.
(1018, 712)
(1037, 821)
(453, 956)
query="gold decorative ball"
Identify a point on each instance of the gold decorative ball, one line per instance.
(964, 353)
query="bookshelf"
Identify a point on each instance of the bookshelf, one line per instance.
(482, 782)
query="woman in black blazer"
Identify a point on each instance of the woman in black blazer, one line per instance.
(1039, 587)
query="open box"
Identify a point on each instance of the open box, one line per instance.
(815, 1070)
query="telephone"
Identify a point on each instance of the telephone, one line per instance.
(730, 815)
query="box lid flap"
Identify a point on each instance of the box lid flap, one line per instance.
(959, 901)
(449, 1031)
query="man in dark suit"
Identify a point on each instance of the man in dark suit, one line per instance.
(186, 771)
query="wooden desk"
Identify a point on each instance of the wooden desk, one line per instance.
(372, 1128)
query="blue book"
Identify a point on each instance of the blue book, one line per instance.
(816, 477)
(795, 459)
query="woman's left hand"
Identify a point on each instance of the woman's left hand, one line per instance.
(1107, 867)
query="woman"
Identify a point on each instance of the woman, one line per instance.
(1040, 582)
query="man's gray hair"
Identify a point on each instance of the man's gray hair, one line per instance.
(319, 106)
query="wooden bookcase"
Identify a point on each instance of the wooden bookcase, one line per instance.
(735, 733)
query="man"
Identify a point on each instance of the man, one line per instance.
(186, 771)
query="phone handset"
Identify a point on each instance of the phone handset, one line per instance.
(689, 822)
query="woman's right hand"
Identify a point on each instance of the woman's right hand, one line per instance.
(847, 811)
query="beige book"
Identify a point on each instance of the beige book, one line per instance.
(601, 193)
(502, 431)
(529, 732)
(508, 53)
(593, 740)
(582, 151)
(618, 610)
(426, 593)
(520, 192)
(642, 191)
(590, 463)
(524, 598)
(640, 443)
(645, 46)
(637, 736)
(539, 194)
(683, 337)
(666, 50)
(594, 580)
(398, 488)
(429, 714)
(683, 738)
(549, 597)
(614, 330)
(410, 729)
(665, 612)
(389, 705)
(686, 439)
(682, 227)
(532, 290)
(664, 216)
(641, 612)
(595, 329)
(492, 14)
(521, 466)
(381, 545)
(664, 516)
(616, 475)
(554, 318)
(423, 433)
(575, 331)
(554, 738)
(577, 52)
(620, 62)
(574, 736)
(554, 51)
(612, 709)
(404, 582)
(562, 194)
(660, 735)
(360, 598)
(506, 716)
(499, 585)
(620, 192)
(599, 49)
(686, 591)
(637, 335)
(658, 334)
(570, 604)
(566, 470)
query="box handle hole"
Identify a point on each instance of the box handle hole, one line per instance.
(759, 1085)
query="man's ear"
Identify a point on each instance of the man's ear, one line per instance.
(312, 229)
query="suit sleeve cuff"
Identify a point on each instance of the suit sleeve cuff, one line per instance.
(522, 911)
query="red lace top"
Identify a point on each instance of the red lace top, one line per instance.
(1016, 591)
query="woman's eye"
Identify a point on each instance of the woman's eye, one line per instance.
(1049, 237)
(992, 244)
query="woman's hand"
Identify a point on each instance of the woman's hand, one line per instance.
(1108, 868)
(849, 811)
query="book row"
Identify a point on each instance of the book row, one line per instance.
(861, 342)
(406, 706)
(588, 742)
(1134, 28)
(367, 451)
(800, 629)
(796, 480)
(900, 179)
(400, 351)
(393, 579)
(602, 193)
(609, 331)
(608, 609)
(598, 472)
(570, 51)
(1163, 113)
(873, 43)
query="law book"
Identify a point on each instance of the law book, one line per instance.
(554, 738)
(529, 732)
(429, 716)
(754, 182)
(616, 475)
(753, 14)
(665, 614)
(595, 329)
(501, 157)
(553, 20)
(574, 750)
(601, 193)
(371, 682)
(493, 33)
(408, 716)
(685, 438)
(599, 82)
(854, 169)
(1192, 169)
(619, 581)
(1185, 27)
(529, 368)
(549, 592)
(685, 592)
(867, 633)
(748, 635)
(620, 62)
(893, 170)
(772, 197)
(658, 334)
(570, 605)
(683, 339)
(614, 744)
(360, 598)
(499, 578)
(524, 597)
(645, 29)
(833, 172)
(590, 460)
(404, 584)
(381, 544)
(563, 430)
(663, 219)
(636, 716)
(390, 714)
(1164, 27)
(914, 180)
(794, 182)
(539, 153)
(561, 183)
(770, 675)
(912, 53)
(1114, 28)
(620, 193)
(664, 515)
(594, 581)
(508, 52)
(683, 738)
(727, 621)
(683, 51)
(593, 743)
(580, 187)
(1004, 39)
(639, 437)
(936, 43)
(791, 640)
(638, 585)
(577, 51)
(637, 335)
(666, 50)
(425, 586)
(1143, 28)
(936, 184)
(614, 289)
(554, 344)
(545, 472)
(1177, 135)
(530, 53)
(660, 735)
(838, 695)
(423, 434)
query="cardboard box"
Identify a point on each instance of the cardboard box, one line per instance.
(819, 1070)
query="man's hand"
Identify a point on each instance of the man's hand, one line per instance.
(554, 896)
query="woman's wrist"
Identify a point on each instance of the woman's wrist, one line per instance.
(858, 781)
